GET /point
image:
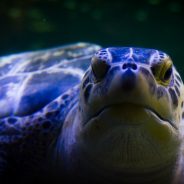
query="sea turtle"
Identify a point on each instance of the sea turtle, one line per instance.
(116, 120)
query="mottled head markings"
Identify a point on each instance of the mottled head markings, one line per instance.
(111, 57)
(131, 54)
(130, 67)
(177, 83)
(104, 55)
(178, 77)
(149, 78)
(174, 98)
(177, 90)
(160, 91)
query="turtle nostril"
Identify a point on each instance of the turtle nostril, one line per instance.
(129, 65)
(124, 66)
(134, 66)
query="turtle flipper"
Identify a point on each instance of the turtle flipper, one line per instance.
(35, 98)
(26, 140)
(3, 162)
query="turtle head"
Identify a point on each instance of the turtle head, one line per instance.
(131, 107)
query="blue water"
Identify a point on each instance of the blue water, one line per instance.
(30, 25)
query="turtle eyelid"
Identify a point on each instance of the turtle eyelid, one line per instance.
(99, 68)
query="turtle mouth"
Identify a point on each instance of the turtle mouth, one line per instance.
(147, 109)
(155, 113)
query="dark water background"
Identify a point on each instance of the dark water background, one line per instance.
(34, 24)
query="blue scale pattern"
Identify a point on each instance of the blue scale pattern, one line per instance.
(140, 55)
(128, 54)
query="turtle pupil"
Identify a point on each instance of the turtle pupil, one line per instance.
(168, 74)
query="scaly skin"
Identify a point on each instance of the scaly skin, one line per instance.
(37, 90)
(121, 124)
(126, 126)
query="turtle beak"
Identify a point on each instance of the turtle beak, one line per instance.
(128, 80)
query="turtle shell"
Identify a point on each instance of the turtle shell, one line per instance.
(29, 81)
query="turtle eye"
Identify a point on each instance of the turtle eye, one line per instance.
(163, 72)
(167, 74)
(99, 68)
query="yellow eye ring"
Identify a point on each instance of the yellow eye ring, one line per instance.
(163, 72)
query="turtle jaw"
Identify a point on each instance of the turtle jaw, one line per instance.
(115, 119)
(129, 110)
(129, 114)
(129, 136)
(162, 119)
